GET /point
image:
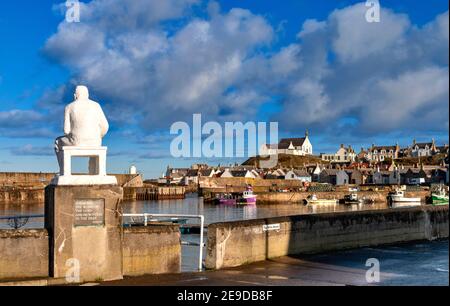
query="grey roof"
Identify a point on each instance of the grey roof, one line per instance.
(297, 142)
(238, 173)
(302, 173)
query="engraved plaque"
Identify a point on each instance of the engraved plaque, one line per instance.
(89, 212)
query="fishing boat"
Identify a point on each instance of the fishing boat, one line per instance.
(398, 197)
(225, 199)
(439, 197)
(248, 197)
(353, 199)
(313, 200)
(237, 198)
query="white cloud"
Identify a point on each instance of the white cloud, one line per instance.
(384, 77)
(143, 69)
(148, 71)
(355, 38)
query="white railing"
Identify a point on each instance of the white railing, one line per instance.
(148, 217)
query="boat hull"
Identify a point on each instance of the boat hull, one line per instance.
(248, 201)
(438, 200)
(321, 202)
(226, 201)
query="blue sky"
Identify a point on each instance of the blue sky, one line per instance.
(305, 64)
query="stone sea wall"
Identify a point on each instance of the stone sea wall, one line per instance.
(154, 249)
(232, 244)
(22, 187)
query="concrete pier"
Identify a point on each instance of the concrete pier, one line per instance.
(85, 231)
(232, 244)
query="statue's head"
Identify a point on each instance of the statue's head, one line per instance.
(81, 93)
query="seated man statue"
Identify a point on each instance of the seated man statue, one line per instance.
(85, 125)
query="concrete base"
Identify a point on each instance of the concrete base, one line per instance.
(80, 180)
(85, 232)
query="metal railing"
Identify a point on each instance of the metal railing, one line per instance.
(149, 217)
(19, 221)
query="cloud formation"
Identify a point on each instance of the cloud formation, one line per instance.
(383, 77)
(161, 62)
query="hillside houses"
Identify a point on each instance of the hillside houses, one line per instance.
(355, 174)
(382, 153)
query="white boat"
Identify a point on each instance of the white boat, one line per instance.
(398, 196)
(313, 200)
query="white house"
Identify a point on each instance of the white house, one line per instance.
(289, 146)
(423, 149)
(300, 175)
(343, 155)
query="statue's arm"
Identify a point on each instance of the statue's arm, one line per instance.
(104, 125)
(67, 126)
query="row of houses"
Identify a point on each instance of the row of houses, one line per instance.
(382, 153)
(410, 176)
(392, 175)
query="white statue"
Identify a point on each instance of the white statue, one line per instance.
(85, 125)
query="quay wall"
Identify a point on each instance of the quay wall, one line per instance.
(232, 244)
(298, 197)
(154, 249)
(24, 254)
(220, 182)
(21, 187)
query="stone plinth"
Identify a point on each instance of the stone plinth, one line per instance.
(85, 226)
(97, 167)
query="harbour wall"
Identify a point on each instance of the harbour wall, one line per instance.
(23, 187)
(24, 254)
(155, 249)
(211, 183)
(298, 197)
(232, 244)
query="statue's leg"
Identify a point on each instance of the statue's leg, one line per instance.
(59, 155)
(93, 166)
(60, 142)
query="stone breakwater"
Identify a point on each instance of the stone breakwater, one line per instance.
(298, 197)
(23, 187)
(232, 244)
